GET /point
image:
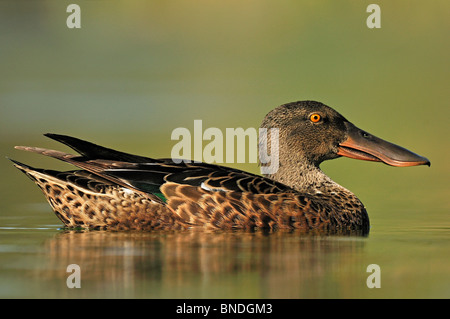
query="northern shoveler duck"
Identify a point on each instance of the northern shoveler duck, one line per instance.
(120, 191)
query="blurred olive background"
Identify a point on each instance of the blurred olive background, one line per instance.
(138, 69)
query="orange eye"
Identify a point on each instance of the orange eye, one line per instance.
(315, 118)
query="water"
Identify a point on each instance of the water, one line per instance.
(414, 262)
(136, 71)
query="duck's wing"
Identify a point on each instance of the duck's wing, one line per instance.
(147, 175)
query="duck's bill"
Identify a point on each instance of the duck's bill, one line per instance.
(364, 146)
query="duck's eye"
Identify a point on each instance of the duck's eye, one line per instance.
(315, 118)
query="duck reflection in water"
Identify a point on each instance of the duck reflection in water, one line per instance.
(180, 264)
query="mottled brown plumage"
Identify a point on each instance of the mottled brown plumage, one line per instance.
(120, 191)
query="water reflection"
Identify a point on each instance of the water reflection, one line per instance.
(202, 264)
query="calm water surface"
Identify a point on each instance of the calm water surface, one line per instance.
(136, 71)
(414, 262)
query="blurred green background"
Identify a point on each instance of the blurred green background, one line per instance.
(138, 69)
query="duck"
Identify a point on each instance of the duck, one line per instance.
(114, 190)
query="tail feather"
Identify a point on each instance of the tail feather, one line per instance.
(94, 151)
(82, 199)
(96, 167)
(22, 167)
(47, 152)
(80, 178)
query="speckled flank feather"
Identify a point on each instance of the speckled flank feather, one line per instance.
(81, 199)
(243, 210)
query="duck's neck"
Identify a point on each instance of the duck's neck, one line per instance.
(309, 179)
(305, 178)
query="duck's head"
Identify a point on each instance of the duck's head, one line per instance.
(313, 132)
